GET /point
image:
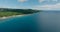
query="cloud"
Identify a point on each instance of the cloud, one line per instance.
(47, 0)
(54, 0)
(41, 0)
(48, 7)
(22, 0)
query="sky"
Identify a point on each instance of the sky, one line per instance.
(31, 4)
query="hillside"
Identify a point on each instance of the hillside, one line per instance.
(9, 12)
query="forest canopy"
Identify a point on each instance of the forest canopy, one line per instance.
(10, 12)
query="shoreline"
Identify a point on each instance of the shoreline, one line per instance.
(10, 16)
(13, 16)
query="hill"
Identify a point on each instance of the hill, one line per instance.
(9, 12)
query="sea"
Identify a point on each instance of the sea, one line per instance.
(44, 21)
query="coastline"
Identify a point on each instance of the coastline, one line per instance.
(10, 16)
(14, 16)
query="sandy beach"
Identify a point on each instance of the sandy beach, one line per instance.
(14, 16)
(10, 16)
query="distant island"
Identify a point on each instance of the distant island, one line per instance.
(5, 12)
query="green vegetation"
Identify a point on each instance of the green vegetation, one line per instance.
(2, 14)
(9, 12)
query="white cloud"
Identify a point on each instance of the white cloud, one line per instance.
(48, 7)
(47, 0)
(41, 0)
(22, 0)
(54, 0)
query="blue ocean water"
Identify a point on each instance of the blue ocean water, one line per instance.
(25, 23)
(49, 21)
(46, 21)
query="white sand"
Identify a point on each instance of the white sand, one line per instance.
(13, 16)
(10, 16)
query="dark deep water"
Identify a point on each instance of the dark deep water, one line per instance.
(46, 21)
(49, 21)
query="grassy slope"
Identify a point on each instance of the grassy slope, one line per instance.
(9, 13)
